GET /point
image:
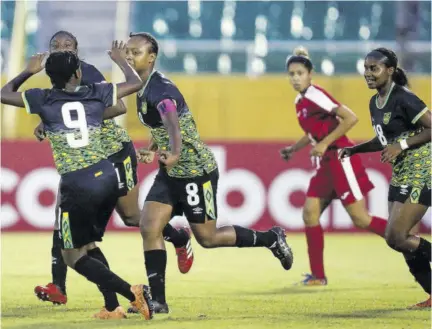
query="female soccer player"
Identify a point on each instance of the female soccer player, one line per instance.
(402, 123)
(72, 115)
(325, 122)
(188, 175)
(121, 152)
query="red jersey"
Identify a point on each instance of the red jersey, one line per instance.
(315, 112)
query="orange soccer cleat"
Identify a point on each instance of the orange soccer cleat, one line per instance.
(104, 314)
(50, 293)
(143, 303)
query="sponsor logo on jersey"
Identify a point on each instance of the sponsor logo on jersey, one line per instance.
(345, 195)
(404, 189)
(197, 210)
(386, 118)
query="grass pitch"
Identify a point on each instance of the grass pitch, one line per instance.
(369, 287)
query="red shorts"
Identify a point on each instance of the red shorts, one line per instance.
(344, 179)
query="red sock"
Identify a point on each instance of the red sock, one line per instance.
(377, 226)
(315, 241)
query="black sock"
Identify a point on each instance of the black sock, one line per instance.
(155, 263)
(420, 268)
(424, 249)
(179, 238)
(98, 273)
(250, 238)
(58, 266)
(111, 301)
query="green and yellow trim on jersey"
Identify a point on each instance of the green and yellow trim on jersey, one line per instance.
(26, 103)
(418, 116)
(114, 100)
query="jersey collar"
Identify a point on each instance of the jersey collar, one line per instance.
(141, 92)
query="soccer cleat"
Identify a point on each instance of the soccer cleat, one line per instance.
(104, 314)
(185, 256)
(50, 293)
(312, 280)
(158, 308)
(421, 306)
(281, 249)
(142, 302)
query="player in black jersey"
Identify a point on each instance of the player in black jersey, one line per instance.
(402, 123)
(72, 115)
(188, 175)
(121, 152)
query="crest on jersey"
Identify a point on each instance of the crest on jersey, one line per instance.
(144, 107)
(386, 118)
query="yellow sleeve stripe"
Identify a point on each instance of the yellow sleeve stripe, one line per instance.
(26, 104)
(418, 116)
(114, 102)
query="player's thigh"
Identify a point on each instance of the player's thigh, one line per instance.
(312, 210)
(84, 194)
(127, 206)
(403, 218)
(358, 212)
(198, 197)
(320, 185)
(158, 206)
(350, 180)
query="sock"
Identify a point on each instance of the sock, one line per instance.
(377, 226)
(58, 266)
(315, 242)
(420, 268)
(424, 249)
(178, 238)
(96, 272)
(155, 263)
(111, 301)
(250, 238)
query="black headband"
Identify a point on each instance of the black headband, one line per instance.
(390, 60)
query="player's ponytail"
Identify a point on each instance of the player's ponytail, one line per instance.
(301, 56)
(60, 66)
(399, 77)
(390, 59)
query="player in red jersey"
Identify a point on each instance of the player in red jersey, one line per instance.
(325, 122)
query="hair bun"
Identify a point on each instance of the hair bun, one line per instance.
(301, 51)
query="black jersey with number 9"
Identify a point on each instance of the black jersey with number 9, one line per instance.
(72, 122)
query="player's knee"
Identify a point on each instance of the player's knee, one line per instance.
(395, 240)
(131, 221)
(149, 229)
(311, 216)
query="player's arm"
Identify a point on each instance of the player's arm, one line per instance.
(425, 135)
(374, 145)
(287, 152)
(347, 120)
(168, 112)
(133, 81)
(9, 93)
(152, 145)
(114, 111)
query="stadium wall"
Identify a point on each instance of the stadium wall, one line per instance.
(256, 188)
(234, 108)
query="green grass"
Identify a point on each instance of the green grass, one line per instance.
(369, 287)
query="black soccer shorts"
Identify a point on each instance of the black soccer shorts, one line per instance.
(88, 198)
(416, 195)
(125, 164)
(195, 197)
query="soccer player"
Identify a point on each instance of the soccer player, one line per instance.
(72, 115)
(188, 175)
(325, 122)
(121, 152)
(402, 123)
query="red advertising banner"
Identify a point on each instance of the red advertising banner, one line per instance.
(256, 188)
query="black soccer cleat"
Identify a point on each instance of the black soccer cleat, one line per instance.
(281, 249)
(158, 308)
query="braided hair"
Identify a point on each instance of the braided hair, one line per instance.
(301, 56)
(60, 66)
(154, 46)
(390, 59)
